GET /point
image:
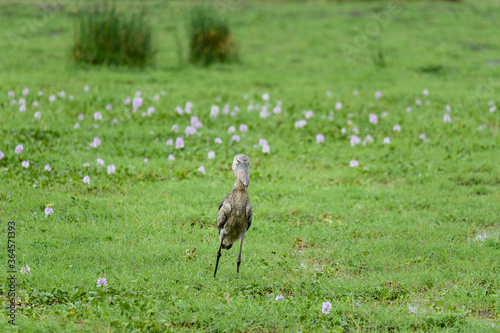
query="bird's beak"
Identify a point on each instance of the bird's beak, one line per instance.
(243, 174)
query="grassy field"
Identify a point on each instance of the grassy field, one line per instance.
(407, 240)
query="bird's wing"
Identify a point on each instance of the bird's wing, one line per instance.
(249, 212)
(224, 212)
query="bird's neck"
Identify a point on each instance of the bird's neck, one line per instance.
(239, 187)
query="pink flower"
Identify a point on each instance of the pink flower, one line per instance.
(47, 167)
(111, 169)
(353, 164)
(201, 169)
(277, 109)
(86, 180)
(422, 136)
(320, 138)
(300, 123)
(235, 138)
(378, 94)
(327, 306)
(373, 118)
(1, 154)
(179, 110)
(127, 101)
(108, 107)
(279, 298)
(136, 103)
(19, 149)
(309, 114)
(243, 128)
(190, 130)
(171, 157)
(355, 140)
(102, 282)
(231, 129)
(367, 139)
(81, 116)
(262, 142)
(48, 211)
(179, 143)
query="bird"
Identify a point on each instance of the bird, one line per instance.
(235, 211)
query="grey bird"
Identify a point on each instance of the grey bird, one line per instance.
(235, 211)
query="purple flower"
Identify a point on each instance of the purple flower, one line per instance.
(387, 141)
(280, 297)
(38, 115)
(355, 140)
(108, 107)
(447, 108)
(136, 103)
(211, 154)
(320, 138)
(1, 154)
(214, 111)
(266, 149)
(19, 149)
(48, 211)
(231, 129)
(418, 102)
(97, 116)
(179, 143)
(52, 98)
(100, 161)
(373, 119)
(447, 118)
(25, 164)
(127, 101)
(396, 128)
(338, 106)
(22, 108)
(150, 110)
(62, 94)
(35, 104)
(218, 141)
(493, 108)
(309, 114)
(243, 128)
(190, 130)
(25, 270)
(277, 109)
(368, 139)
(262, 142)
(102, 281)
(77, 125)
(422, 136)
(10, 93)
(175, 128)
(111, 169)
(171, 157)
(327, 306)
(378, 94)
(81, 116)
(146, 160)
(179, 110)
(263, 113)
(95, 143)
(47, 167)
(201, 169)
(170, 142)
(353, 164)
(235, 138)
(86, 180)
(300, 123)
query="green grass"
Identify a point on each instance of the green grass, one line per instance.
(392, 244)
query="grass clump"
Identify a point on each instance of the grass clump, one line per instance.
(105, 35)
(210, 38)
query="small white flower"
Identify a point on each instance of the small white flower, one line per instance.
(373, 118)
(387, 141)
(265, 97)
(353, 164)
(493, 108)
(25, 164)
(47, 167)
(378, 94)
(201, 169)
(211, 154)
(86, 180)
(38, 115)
(425, 92)
(111, 169)
(422, 136)
(338, 106)
(447, 118)
(100, 161)
(396, 128)
(218, 141)
(171, 157)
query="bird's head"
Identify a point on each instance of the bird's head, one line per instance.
(241, 169)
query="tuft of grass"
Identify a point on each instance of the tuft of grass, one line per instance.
(106, 36)
(210, 38)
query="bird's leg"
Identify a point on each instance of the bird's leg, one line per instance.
(239, 254)
(219, 254)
